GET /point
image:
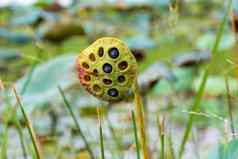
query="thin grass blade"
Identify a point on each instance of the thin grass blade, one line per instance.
(230, 108)
(101, 133)
(135, 134)
(29, 126)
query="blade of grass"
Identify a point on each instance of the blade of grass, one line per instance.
(66, 102)
(195, 143)
(100, 133)
(198, 98)
(29, 125)
(5, 143)
(135, 134)
(21, 135)
(162, 137)
(171, 148)
(4, 137)
(230, 108)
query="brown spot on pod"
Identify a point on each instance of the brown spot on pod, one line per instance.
(100, 51)
(92, 57)
(123, 65)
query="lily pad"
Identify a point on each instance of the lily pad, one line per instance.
(140, 42)
(9, 54)
(42, 88)
(15, 37)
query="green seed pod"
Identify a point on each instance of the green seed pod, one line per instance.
(107, 69)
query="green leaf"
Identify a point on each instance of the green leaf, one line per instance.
(42, 88)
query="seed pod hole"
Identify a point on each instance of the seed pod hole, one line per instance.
(96, 88)
(87, 78)
(92, 57)
(107, 68)
(113, 92)
(113, 52)
(121, 79)
(85, 65)
(95, 72)
(100, 51)
(123, 65)
(107, 81)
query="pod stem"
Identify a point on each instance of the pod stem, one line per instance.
(140, 120)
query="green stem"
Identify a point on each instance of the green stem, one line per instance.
(135, 134)
(100, 133)
(3, 149)
(29, 126)
(230, 108)
(162, 137)
(140, 120)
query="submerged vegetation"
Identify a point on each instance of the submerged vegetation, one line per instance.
(69, 88)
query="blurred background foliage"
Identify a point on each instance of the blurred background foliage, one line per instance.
(172, 41)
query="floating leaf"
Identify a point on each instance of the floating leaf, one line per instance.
(42, 88)
(192, 58)
(32, 17)
(57, 31)
(140, 42)
(9, 55)
(15, 37)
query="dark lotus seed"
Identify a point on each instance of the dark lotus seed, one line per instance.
(123, 65)
(87, 78)
(121, 79)
(96, 88)
(113, 52)
(107, 68)
(113, 92)
(95, 72)
(85, 65)
(92, 57)
(107, 81)
(100, 51)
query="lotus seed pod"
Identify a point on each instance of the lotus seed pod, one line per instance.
(107, 69)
